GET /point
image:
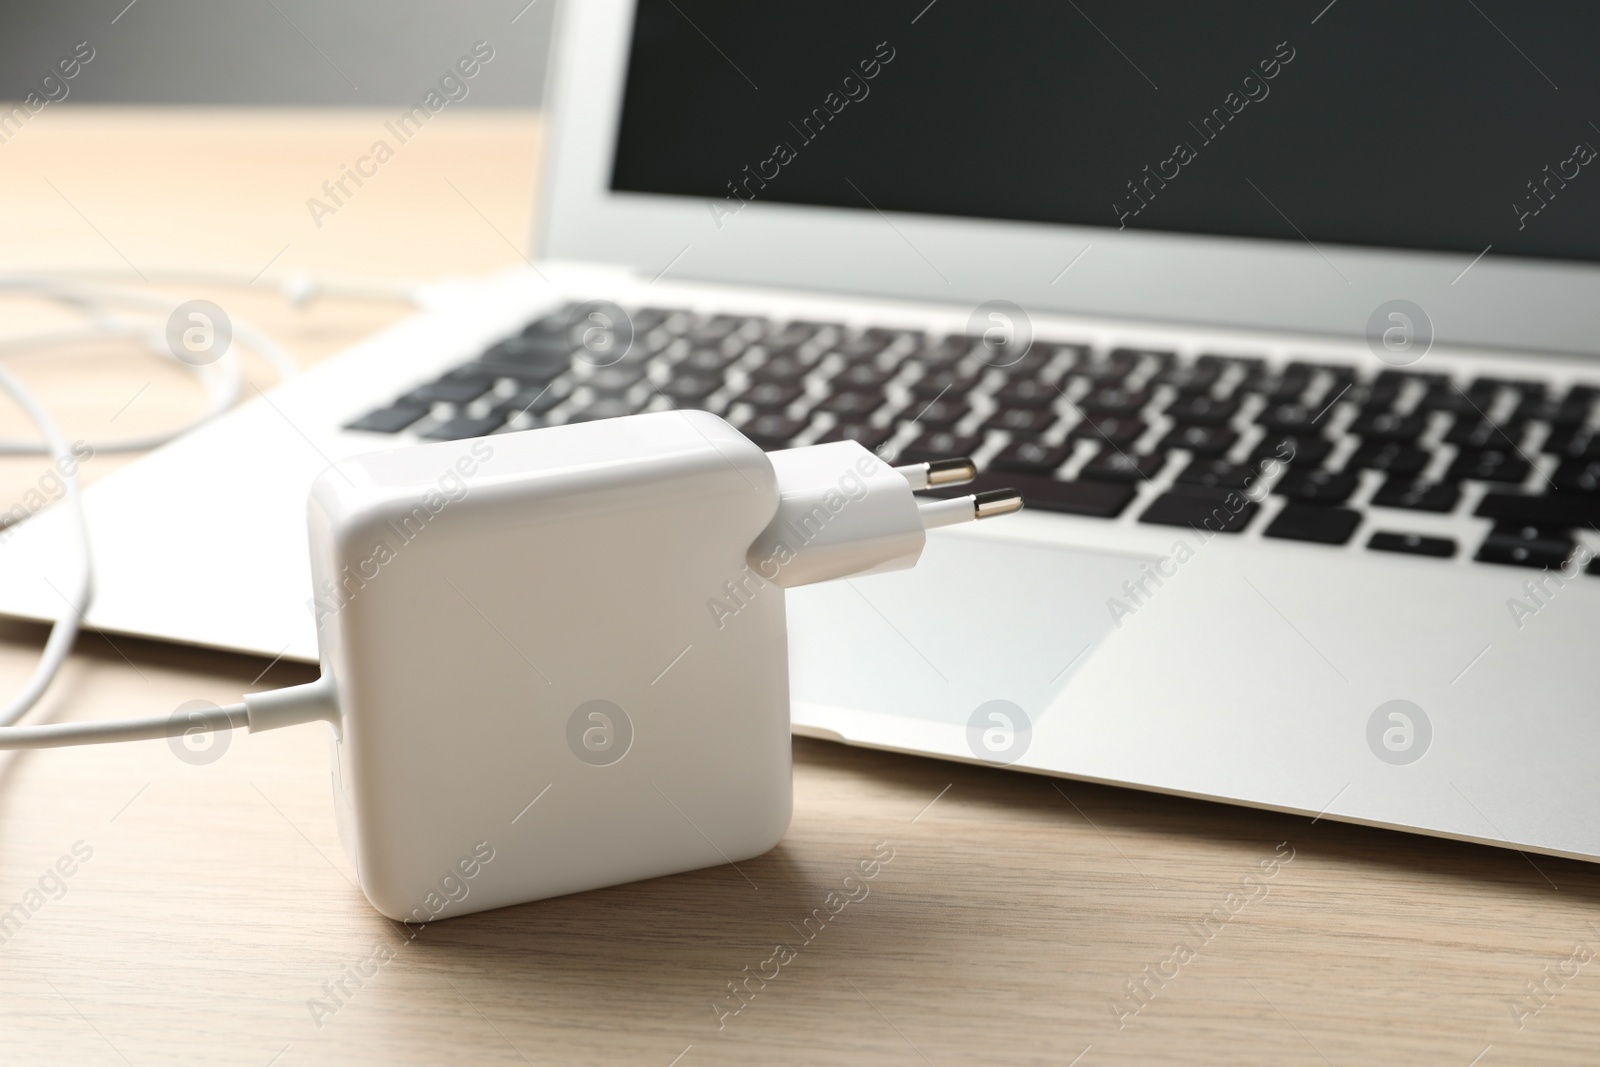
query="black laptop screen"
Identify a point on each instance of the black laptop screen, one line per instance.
(1449, 126)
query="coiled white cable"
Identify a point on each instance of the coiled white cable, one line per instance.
(223, 381)
(65, 629)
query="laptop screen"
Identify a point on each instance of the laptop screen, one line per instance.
(1402, 124)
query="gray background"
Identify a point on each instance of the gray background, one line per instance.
(275, 52)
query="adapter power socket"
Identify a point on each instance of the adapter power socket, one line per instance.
(560, 656)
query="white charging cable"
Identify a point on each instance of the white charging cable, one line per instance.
(297, 288)
(65, 629)
(223, 381)
(276, 708)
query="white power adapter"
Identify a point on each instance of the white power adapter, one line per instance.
(566, 648)
(556, 660)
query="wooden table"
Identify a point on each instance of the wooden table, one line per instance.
(1021, 920)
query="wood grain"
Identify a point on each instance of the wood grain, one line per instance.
(1013, 920)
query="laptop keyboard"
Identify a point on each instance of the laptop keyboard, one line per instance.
(1079, 430)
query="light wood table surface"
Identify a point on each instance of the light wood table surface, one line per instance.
(1012, 923)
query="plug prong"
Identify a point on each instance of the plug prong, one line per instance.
(939, 472)
(988, 505)
(996, 502)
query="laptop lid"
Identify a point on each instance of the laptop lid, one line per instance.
(1262, 165)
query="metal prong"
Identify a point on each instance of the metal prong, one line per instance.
(938, 472)
(996, 502)
(951, 471)
(958, 509)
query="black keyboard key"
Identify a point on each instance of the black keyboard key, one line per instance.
(1473, 434)
(1111, 370)
(771, 432)
(865, 377)
(1577, 476)
(705, 361)
(1114, 400)
(788, 338)
(1029, 364)
(1305, 450)
(864, 347)
(940, 444)
(1027, 393)
(1489, 465)
(1574, 407)
(473, 372)
(1564, 510)
(1446, 396)
(1110, 429)
(447, 391)
(1380, 394)
(941, 413)
(785, 368)
(770, 396)
(912, 338)
(644, 320)
(1312, 522)
(1531, 409)
(1030, 457)
(1393, 457)
(685, 389)
(1287, 388)
(1573, 442)
(612, 407)
(1218, 474)
(615, 379)
(1338, 391)
(1306, 368)
(1198, 409)
(1192, 379)
(1200, 440)
(831, 328)
(1288, 418)
(944, 354)
(868, 437)
(534, 401)
(1076, 355)
(1220, 511)
(1490, 385)
(1389, 426)
(1414, 494)
(526, 374)
(391, 419)
(1413, 544)
(1113, 465)
(1021, 421)
(550, 353)
(1526, 546)
(713, 331)
(541, 365)
(852, 407)
(944, 383)
(463, 426)
(1313, 485)
(1135, 355)
(553, 330)
(1251, 365)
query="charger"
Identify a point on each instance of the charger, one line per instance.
(557, 660)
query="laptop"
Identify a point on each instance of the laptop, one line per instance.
(1287, 332)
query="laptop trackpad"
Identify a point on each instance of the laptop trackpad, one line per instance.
(975, 621)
